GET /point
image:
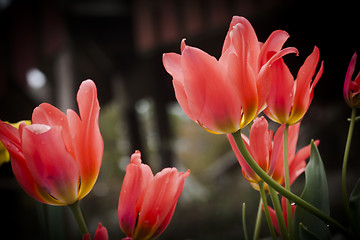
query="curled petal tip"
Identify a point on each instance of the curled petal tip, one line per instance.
(136, 157)
(183, 44)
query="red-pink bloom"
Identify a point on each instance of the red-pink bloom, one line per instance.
(284, 211)
(352, 88)
(224, 95)
(100, 234)
(147, 202)
(267, 151)
(289, 100)
(57, 159)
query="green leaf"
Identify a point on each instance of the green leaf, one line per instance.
(315, 193)
(306, 234)
(354, 204)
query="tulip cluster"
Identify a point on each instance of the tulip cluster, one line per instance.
(56, 158)
(224, 96)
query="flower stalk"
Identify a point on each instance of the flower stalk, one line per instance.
(279, 215)
(76, 210)
(280, 189)
(287, 179)
(258, 221)
(266, 210)
(345, 162)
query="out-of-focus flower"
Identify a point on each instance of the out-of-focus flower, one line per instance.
(57, 159)
(4, 154)
(100, 234)
(225, 95)
(147, 202)
(284, 211)
(352, 88)
(267, 151)
(289, 100)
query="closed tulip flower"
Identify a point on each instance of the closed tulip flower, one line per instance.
(147, 202)
(289, 100)
(57, 158)
(225, 95)
(100, 234)
(352, 88)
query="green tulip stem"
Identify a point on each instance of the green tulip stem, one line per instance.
(266, 210)
(345, 162)
(75, 209)
(287, 179)
(259, 217)
(244, 222)
(279, 213)
(280, 189)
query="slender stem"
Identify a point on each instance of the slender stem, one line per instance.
(266, 210)
(75, 208)
(279, 214)
(272, 183)
(287, 179)
(244, 222)
(258, 221)
(345, 161)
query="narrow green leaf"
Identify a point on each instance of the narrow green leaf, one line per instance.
(315, 193)
(244, 222)
(354, 204)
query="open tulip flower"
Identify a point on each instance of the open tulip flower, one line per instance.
(147, 202)
(57, 158)
(267, 151)
(225, 95)
(352, 88)
(289, 100)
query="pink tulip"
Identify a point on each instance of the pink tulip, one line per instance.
(267, 151)
(289, 100)
(225, 95)
(57, 159)
(147, 202)
(352, 88)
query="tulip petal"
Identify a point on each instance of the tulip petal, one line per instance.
(281, 96)
(248, 35)
(49, 115)
(274, 220)
(261, 143)
(213, 106)
(302, 98)
(246, 169)
(52, 167)
(349, 73)
(87, 141)
(263, 78)
(273, 44)
(242, 76)
(172, 64)
(298, 165)
(160, 198)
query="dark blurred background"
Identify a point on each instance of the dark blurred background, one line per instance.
(48, 47)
